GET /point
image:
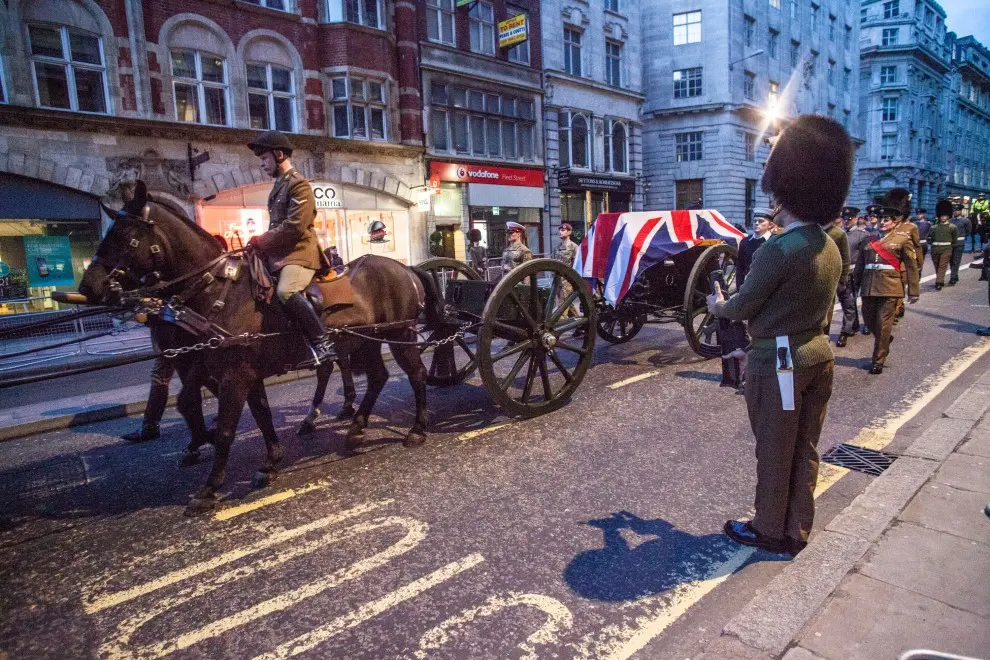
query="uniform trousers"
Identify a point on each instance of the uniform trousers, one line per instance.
(941, 262)
(786, 449)
(293, 279)
(878, 314)
(847, 298)
(161, 376)
(956, 261)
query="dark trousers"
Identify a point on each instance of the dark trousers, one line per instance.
(161, 376)
(847, 299)
(786, 449)
(941, 262)
(954, 263)
(878, 314)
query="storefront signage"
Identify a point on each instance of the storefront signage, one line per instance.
(423, 201)
(573, 180)
(49, 261)
(471, 173)
(328, 196)
(512, 31)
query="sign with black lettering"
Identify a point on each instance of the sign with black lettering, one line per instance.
(328, 196)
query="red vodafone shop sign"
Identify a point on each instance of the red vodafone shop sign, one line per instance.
(471, 173)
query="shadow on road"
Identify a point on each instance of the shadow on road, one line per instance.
(644, 557)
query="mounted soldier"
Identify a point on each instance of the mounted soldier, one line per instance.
(290, 247)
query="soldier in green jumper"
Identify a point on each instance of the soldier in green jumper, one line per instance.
(785, 299)
(941, 241)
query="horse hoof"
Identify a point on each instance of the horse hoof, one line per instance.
(263, 479)
(354, 440)
(189, 459)
(200, 506)
(414, 439)
(210, 437)
(306, 428)
(346, 412)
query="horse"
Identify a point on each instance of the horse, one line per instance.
(244, 340)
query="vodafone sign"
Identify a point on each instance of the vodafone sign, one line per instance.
(470, 173)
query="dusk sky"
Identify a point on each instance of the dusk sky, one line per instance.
(967, 17)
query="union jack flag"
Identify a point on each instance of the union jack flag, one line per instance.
(621, 245)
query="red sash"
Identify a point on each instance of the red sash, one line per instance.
(886, 254)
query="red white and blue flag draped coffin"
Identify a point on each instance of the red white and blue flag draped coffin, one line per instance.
(621, 245)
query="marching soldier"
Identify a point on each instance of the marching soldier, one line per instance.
(764, 229)
(844, 292)
(942, 240)
(980, 209)
(880, 268)
(900, 198)
(290, 246)
(924, 229)
(785, 299)
(962, 228)
(477, 254)
(566, 252)
(516, 253)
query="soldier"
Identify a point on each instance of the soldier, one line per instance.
(477, 254)
(942, 240)
(844, 291)
(900, 198)
(764, 229)
(879, 268)
(516, 253)
(858, 237)
(290, 246)
(785, 299)
(980, 209)
(872, 216)
(565, 253)
(924, 228)
(962, 227)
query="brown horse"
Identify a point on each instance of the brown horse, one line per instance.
(177, 260)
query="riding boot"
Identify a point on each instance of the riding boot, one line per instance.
(308, 321)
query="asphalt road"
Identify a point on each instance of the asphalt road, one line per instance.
(593, 531)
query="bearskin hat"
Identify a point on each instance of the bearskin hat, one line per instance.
(898, 201)
(810, 168)
(474, 235)
(943, 208)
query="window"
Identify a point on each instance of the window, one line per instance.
(689, 194)
(831, 72)
(270, 97)
(687, 83)
(888, 74)
(795, 53)
(613, 63)
(200, 87)
(616, 146)
(580, 142)
(864, 14)
(482, 28)
(888, 110)
(612, 5)
(845, 119)
(929, 16)
(814, 18)
(892, 9)
(847, 39)
(360, 108)
(794, 15)
(831, 28)
(774, 94)
(687, 28)
(688, 146)
(889, 37)
(772, 43)
(69, 71)
(363, 12)
(3, 85)
(750, 142)
(831, 110)
(888, 147)
(572, 52)
(271, 4)
(775, 4)
(520, 52)
(467, 121)
(749, 85)
(750, 30)
(440, 21)
(846, 77)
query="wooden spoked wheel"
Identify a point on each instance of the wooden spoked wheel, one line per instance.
(536, 341)
(698, 321)
(617, 326)
(454, 362)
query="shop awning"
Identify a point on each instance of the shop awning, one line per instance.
(22, 197)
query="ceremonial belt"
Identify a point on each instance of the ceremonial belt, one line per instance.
(885, 254)
(942, 243)
(797, 339)
(879, 267)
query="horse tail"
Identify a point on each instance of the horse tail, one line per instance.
(433, 303)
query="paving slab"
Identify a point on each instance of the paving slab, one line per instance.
(871, 512)
(800, 653)
(946, 509)
(978, 443)
(940, 439)
(778, 611)
(869, 619)
(727, 646)
(947, 568)
(972, 404)
(966, 472)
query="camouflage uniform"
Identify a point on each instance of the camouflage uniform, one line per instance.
(515, 254)
(566, 253)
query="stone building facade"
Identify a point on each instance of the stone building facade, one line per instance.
(594, 95)
(967, 116)
(905, 61)
(719, 78)
(95, 92)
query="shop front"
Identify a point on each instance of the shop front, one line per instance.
(470, 196)
(48, 235)
(344, 218)
(584, 195)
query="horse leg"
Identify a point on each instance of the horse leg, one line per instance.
(371, 355)
(258, 403)
(190, 406)
(234, 387)
(323, 373)
(350, 394)
(408, 357)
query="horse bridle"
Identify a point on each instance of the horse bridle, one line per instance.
(158, 246)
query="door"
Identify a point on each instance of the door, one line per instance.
(689, 194)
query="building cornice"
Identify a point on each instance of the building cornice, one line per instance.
(554, 76)
(688, 110)
(914, 50)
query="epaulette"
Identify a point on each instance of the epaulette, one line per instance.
(790, 242)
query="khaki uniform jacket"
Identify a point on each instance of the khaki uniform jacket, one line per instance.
(290, 239)
(943, 237)
(566, 251)
(841, 242)
(912, 231)
(878, 278)
(515, 255)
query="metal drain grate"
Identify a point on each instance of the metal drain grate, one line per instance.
(861, 459)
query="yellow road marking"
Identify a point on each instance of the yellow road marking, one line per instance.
(470, 435)
(96, 603)
(634, 379)
(233, 511)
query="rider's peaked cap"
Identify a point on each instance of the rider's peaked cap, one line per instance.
(897, 201)
(943, 207)
(810, 168)
(270, 141)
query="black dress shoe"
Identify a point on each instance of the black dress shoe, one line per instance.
(876, 369)
(938, 287)
(952, 282)
(745, 534)
(144, 434)
(841, 341)
(865, 331)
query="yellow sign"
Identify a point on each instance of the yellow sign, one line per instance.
(512, 31)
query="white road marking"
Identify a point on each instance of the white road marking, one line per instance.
(634, 379)
(118, 645)
(96, 603)
(233, 511)
(370, 610)
(559, 618)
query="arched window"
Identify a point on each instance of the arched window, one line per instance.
(200, 75)
(68, 67)
(271, 85)
(616, 147)
(580, 136)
